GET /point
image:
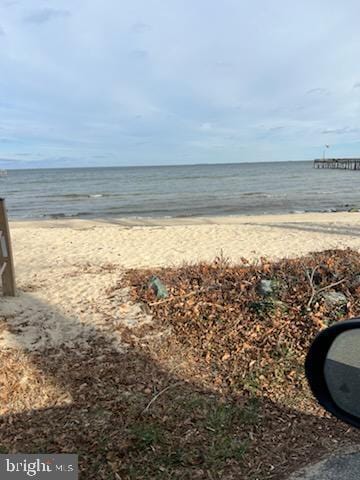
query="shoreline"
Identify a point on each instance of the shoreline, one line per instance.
(47, 246)
(145, 218)
(195, 220)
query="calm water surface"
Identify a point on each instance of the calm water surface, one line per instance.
(196, 190)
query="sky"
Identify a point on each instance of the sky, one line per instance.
(152, 82)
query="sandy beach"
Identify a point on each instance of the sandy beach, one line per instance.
(44, 248)
(70, 338)
(65, 267)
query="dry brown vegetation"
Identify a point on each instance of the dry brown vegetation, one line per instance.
(212, 389)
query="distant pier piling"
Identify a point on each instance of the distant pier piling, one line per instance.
(338, 163)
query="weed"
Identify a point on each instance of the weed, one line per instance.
(251, 383)
(250, 413)
(225, 448)
(146, 435)
(222, 417)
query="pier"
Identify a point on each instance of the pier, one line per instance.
(341, 163)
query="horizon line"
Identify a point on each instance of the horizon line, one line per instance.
(154, 165)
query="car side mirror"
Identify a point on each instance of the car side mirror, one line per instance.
(332, 368)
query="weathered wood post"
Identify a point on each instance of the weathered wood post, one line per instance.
(7, 271)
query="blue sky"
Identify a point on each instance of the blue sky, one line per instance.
(104, 82)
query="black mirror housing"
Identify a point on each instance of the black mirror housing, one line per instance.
(315, 368)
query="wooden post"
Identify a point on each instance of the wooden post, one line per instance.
(6, 257)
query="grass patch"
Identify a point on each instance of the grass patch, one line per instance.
(224, 449)
(146, 435)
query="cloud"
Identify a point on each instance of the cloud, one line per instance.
(45, 14)
(340, 131)
(155, 72)
(9, 3)
(140, 27)
(318, 91)
(276, 128)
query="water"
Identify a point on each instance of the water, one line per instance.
(177, 191)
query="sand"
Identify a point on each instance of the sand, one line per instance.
(65, 268)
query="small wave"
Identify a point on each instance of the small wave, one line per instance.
(255, 194)
(55, 215)
(73, 195)
(201, 177)
(77, 195)
(67, 215)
